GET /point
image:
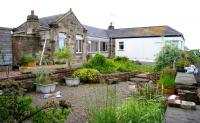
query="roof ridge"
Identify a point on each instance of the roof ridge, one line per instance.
(141, 27)
(94, 27)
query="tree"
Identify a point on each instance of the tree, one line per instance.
(167, 56)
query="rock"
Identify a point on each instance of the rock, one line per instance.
(112, 81)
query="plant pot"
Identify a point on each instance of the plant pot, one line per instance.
(48, 88)
(168, 90)
(31, 64)
(180, 69)
(72, 81)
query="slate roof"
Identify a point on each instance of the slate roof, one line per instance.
(44, 21)
(96, 32)
(139, 32)
(5, 45)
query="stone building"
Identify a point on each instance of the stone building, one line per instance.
(60, 31)
(65, 30)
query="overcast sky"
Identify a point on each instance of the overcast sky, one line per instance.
(182, 15)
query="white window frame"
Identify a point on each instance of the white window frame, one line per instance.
(79, 41)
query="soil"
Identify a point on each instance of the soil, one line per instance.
(79, 97)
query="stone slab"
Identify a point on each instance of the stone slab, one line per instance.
(185, 79)
(178, 115)
(139, 79)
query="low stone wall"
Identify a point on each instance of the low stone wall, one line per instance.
(29, 78)
(121, 76)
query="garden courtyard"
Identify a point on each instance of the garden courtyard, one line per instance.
(104, 90)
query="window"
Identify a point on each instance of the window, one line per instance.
(79, 40)
(61, 40)
(92, 46)
(121, 45)
(103, 46)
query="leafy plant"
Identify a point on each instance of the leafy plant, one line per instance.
(27, 58)
(63, 54)
(87, 74)
(44, 58)
(167, 56)
(101, 63)
(167, 71)
(42, 77)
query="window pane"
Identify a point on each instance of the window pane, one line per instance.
(77, 45)
(61, 38)
(121, 45)
(94, 46)
(103, 46)
(80, 45)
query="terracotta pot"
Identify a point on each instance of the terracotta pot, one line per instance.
(31, 64)
(168, 90)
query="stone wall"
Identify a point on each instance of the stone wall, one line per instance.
(121, 76)
(24, 44)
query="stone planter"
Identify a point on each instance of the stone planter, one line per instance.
(72, 81)
(45, 88)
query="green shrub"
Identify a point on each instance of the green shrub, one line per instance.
(27, 58)
(167, 56)
(123, 64)
(101, 63)
(182, 63)
(52, 115)
(87, 74)
(121, 59)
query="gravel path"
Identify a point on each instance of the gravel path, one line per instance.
(80, 95)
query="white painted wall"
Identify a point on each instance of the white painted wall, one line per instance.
(144, 49)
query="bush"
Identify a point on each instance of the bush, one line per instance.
(87, 75)
(167, 56)
(123, 64)
(101, 63)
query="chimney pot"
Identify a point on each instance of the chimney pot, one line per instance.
(32, 12)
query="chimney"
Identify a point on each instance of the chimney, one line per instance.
(111, 27)
(32, 23)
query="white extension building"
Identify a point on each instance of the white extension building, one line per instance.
(141, 43)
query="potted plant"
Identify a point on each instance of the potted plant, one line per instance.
(43, 82)
(63, 56)
(181, 64)
(28, 61)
